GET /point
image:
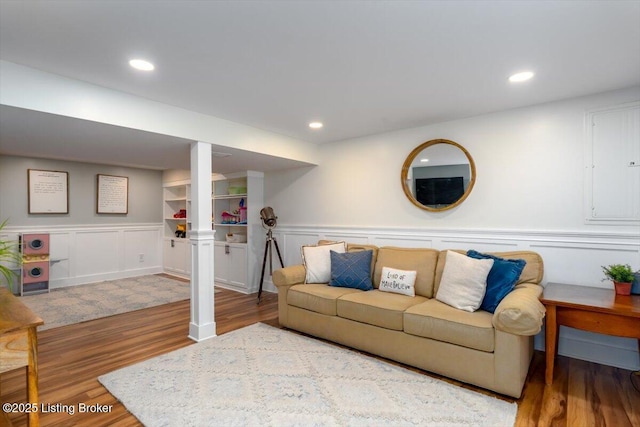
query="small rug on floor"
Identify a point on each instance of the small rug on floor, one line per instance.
(264, 376)
(75, 304)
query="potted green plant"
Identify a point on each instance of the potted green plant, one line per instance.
(621, 275)
(8, 256)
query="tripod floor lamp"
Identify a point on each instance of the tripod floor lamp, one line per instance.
(269, 222)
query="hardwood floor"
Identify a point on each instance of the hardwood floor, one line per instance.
(72, 357)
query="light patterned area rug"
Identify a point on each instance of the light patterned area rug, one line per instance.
(263, 376)
(75, 304)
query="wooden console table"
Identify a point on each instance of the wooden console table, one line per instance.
(590, 309)
(19, 347)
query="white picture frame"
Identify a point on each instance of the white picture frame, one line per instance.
(112, 194)
(47, 191)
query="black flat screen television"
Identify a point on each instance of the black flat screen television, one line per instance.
(439, 191)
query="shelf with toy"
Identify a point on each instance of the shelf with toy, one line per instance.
(180, 214)
(231, 216)
(181, 231)
(238, 240)
(229, 196)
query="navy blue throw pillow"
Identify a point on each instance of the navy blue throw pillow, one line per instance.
(351, 270)
(501, 280)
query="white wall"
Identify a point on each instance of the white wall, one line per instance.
(528, 195)
(529, 174)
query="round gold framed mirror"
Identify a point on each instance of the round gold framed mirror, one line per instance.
(438, 175)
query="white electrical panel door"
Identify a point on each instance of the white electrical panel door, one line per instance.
(612, 184)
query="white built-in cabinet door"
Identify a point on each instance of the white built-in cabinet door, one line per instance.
(221, 264)
(238, 267)
(230, 266)
(177, 256)
(612, 184)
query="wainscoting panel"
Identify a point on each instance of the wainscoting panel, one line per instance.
(96, 252)
(60, 244)
(480, 245)
(569, 257)
(580, 263)
(88, 253)
(598, 348)
(141, 249)
(402, 241)
(290, 248)
(59, 257)
(359, 239)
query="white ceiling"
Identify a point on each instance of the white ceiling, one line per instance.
(361, 67)
(35, 134)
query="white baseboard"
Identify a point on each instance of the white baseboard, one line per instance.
(200, 333)
(597, 348)
(94, 278)
(266, 287)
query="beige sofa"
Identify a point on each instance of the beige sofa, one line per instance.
(488, 350)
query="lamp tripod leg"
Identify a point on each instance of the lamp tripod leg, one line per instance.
(278, 251)
(268, 249)
(264, 264)
(270, 258)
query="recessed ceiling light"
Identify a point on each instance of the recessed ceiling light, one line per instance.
(315, 125)
(141, 64)
(521, 77)
(424, 160)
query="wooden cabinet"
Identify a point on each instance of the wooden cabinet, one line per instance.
(19, 347)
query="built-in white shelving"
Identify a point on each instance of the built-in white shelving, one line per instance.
(236, 262)
(175, 249)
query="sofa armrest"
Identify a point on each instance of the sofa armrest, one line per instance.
(288, 276)
(520, 312)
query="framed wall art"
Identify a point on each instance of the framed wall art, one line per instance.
(48, 191)
(112, 194)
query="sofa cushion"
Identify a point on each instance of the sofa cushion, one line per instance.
(464, 281)
(423, 261)
(376, 308)
(357, 247)
(436, 320)
(317, 261)
(501, 279)
(532, 273)
(398, 281)
(319, 298)
(442, 260)
(351, 270)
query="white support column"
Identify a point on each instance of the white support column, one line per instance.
(201, 236)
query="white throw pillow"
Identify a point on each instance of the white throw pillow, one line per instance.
(398, 281)
(464, 281)
(317, 261)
